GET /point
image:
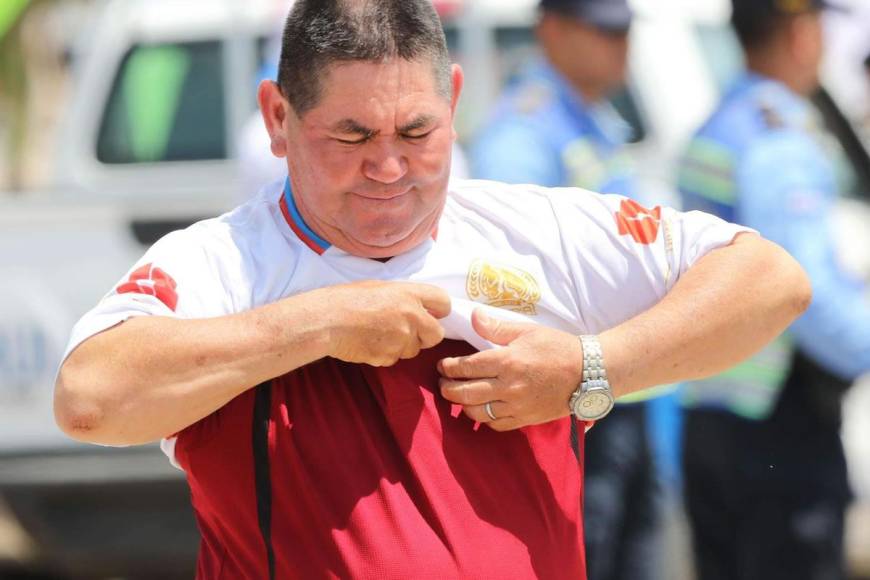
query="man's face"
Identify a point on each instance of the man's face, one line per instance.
(369, 164)
(593, 59)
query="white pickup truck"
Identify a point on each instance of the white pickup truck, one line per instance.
(162, 91)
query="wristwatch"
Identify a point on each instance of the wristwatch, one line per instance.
(593, 399)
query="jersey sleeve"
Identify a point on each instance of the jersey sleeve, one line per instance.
(790, 191)
(176, 278)
(624, 257)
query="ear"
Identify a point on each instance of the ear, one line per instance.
(458, 79)
(806, 39)
(274, 109)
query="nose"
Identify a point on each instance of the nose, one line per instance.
(385, 162)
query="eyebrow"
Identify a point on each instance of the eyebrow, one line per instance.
(418, 123)
(352, 126)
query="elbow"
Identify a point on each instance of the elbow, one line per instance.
(78, 412)
(788, 285)
(800, 289)
(804, 296)
(784, 288)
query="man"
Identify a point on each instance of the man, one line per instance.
(770, 502)
(293, 356)
(556, 127)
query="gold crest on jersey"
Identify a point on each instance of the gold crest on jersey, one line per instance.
(503, 287)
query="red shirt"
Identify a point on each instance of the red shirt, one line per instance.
(339, 470)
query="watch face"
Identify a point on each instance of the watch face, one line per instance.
(593, 405)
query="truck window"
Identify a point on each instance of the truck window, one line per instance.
(166, 104)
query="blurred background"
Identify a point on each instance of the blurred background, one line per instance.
(121, 120)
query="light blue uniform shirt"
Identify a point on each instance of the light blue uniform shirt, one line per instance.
(542, 132)
(761, 161)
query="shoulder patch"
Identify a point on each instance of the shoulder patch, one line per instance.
(151, 281)
(771, 117)
(635, 220)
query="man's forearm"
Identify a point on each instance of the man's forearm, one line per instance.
(727, 307)
(150, 377)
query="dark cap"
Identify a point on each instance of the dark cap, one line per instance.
(612, 15)
(746, 9)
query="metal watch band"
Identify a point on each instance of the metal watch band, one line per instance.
(594, 373)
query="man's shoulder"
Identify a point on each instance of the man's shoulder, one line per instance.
(767, 108)
(758, 117)
(236, 227)
(484, 193)
(534, 98)
(520, 204)
(733, 122)
(769, 121)
(251, 231)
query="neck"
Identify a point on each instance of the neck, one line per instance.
(591, 94)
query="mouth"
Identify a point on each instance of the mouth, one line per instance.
(382, 196)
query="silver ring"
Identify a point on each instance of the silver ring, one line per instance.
(488, 408)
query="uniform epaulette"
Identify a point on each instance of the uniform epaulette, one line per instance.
(771, 117)
(533, 97)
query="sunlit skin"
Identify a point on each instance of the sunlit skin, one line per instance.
(594, 61)
(792, 54)
(369, 164)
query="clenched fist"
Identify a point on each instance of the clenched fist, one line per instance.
(378, 323)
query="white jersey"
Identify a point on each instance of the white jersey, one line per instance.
(565, 258)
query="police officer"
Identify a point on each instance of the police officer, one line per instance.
(555, 127)
(766, 482)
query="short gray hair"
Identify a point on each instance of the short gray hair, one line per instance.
(319, 33)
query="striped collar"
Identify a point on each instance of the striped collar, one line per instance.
(301, 229)
(298, 225)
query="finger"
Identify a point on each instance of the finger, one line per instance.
(480, 365)
(495, 330)
(469, 392)
(435, 300)
(430, 331)
(478, 413)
